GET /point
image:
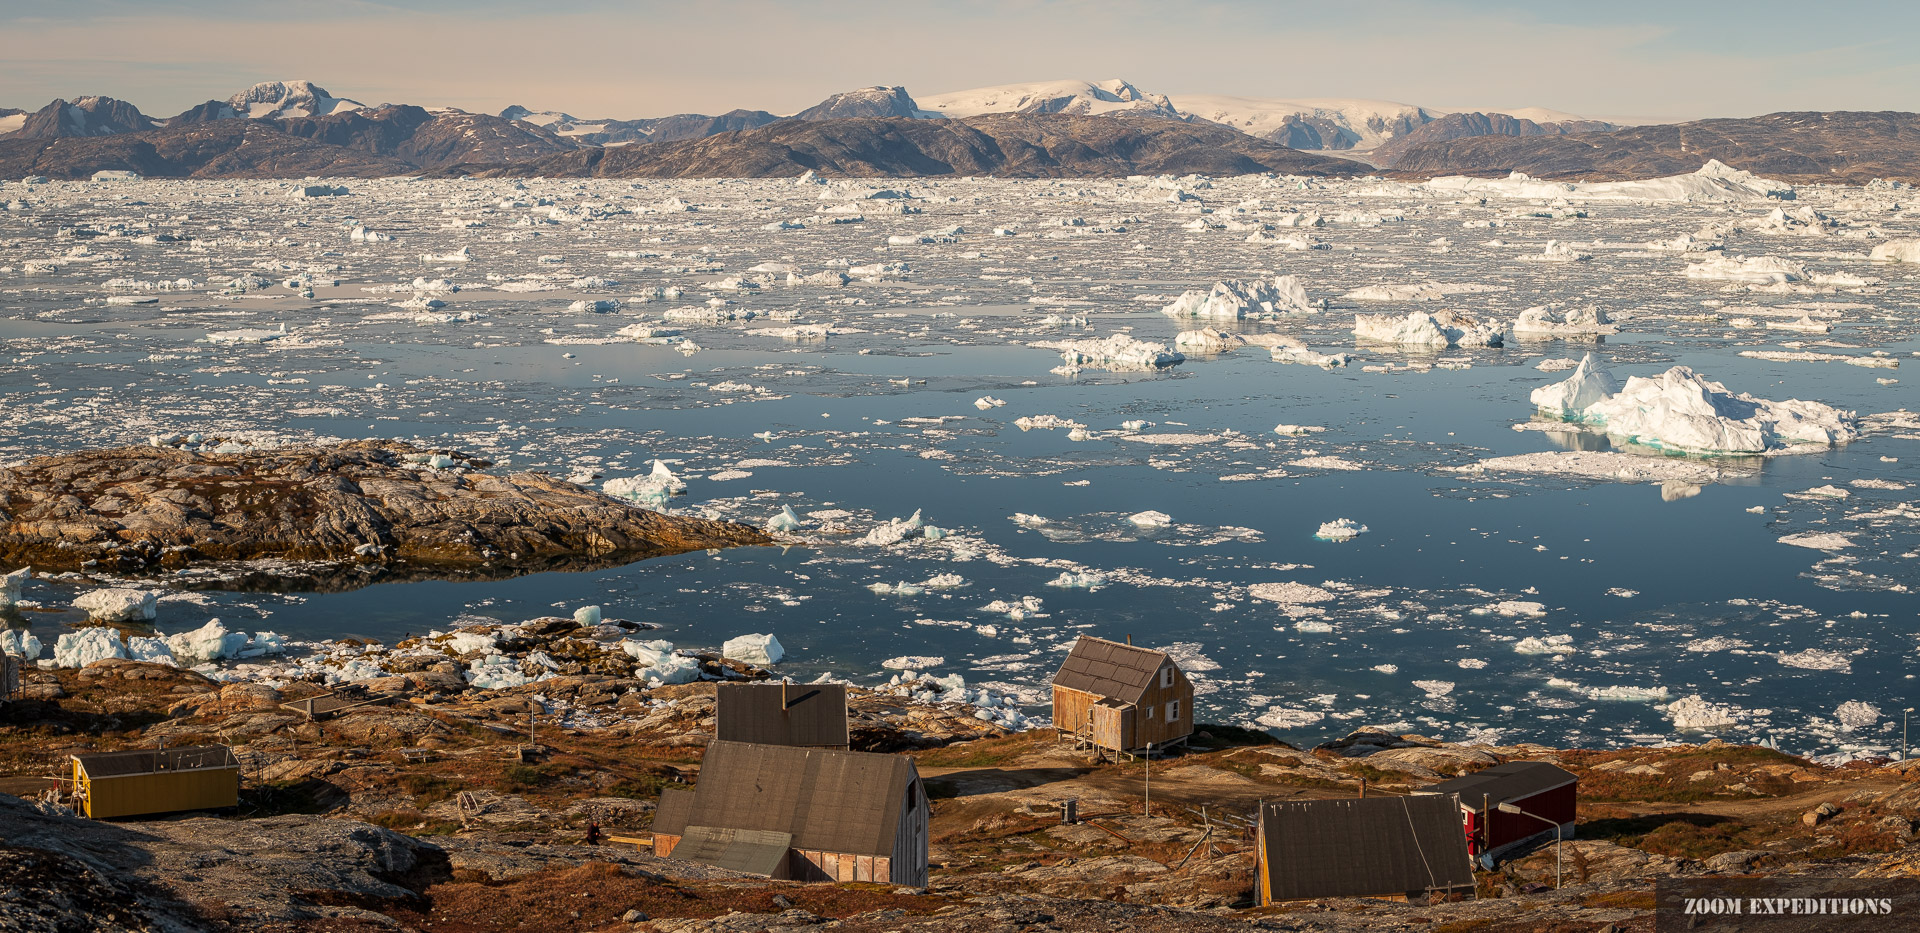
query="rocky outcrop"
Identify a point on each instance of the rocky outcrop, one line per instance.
(1009, 145)
(1469, 125)
(163, 875)
(866, 102)
(1841, 147)
(372, 509)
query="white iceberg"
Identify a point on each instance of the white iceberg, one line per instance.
(10, 585)
(1440, 329)
(1682, 411)
(757, 650)
(1237, 299)
(117, 605)
(1340, 529)
(19, 643)
(84, 647)
(210, 642)
(1579, 322)
(653, 489)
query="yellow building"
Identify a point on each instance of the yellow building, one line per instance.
(165, 780)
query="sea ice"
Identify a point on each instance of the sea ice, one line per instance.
(1855, 716)
(1340, 529)
(1693, 714)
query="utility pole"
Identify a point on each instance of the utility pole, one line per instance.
(1146, 809)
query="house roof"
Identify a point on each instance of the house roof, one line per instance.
(1109, 668)
(754, 851)
(827, 800)
(783, 714)
(157, 760)
(1515, 780)
(1364, 846)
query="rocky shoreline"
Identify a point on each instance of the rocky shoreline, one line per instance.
(330, 517)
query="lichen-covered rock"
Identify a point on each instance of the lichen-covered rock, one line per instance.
(366, 509)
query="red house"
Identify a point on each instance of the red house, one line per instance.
(1545, 797)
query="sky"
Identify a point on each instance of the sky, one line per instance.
(1630, 60)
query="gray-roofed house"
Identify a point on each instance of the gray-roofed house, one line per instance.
(804, 814)
(1119, 698)
(1400, 848)
(807, 715)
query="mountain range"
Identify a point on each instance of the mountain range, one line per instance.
(1050, 129)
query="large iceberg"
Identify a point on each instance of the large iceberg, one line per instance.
(1118, 353)
(655, 488)
(20, 643)
(1683, 411)
(117, 605)
(1715, 181)
(758, 650)
(1236, 299)
(1589, 385)
(209, 642)
(10, 585)
(658, 661)
(84, 647)
(1440, 329)
(1579, 322)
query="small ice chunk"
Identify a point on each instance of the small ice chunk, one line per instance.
(1340, 529)
(209, 642)
(19, 643)
(10, 585)
(1151, 519)
(587, 616)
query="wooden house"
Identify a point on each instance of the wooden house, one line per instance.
(1119, 698)
(805, 715)
(1546, 795)
(1398, 848)
(802, 814)
(149, 781)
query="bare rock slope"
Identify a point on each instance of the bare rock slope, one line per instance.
(1841, 147)
(1009, 145)
(374, 504)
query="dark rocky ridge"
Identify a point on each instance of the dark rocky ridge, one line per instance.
(1012, 145)
(1468, 125)
(361, 507)
(1840, 147)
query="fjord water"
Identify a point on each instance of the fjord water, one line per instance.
(1661, 599)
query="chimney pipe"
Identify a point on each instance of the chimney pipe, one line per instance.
(1363, 788)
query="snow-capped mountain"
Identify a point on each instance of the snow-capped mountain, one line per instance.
(275, 100)
(877, 101)
(83, 116)
(1077, 97)
(1312, 123)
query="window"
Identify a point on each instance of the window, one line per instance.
(1173, 711)
(1166, 676)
